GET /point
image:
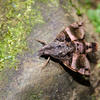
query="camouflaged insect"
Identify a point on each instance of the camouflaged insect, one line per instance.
(70, 48)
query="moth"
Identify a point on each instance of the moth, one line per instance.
(70, 48)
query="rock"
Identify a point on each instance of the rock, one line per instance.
(54, 82)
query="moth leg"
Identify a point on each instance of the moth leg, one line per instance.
(46, 63)
(42, 42)
(74, 61)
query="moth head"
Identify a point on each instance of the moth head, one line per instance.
(44, 51)
(91, 47)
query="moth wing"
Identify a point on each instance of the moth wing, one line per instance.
(80, 32)
(75, 31)
(67, 63)
(78, 63)
(83, 65)
(62, 36)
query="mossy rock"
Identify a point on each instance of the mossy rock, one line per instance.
(54, 82)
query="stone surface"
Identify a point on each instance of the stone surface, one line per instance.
(54, 82)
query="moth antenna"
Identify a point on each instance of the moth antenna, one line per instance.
(42, 42)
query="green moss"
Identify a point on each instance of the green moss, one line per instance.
(78, 10)
(35, 96)
(17, 19)
(93, 97)
(67, 6)
(50, 2)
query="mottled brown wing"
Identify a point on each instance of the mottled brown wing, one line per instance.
(75, 31)
(78, 63)
(67, 63)
(62, 36)
(83, 65)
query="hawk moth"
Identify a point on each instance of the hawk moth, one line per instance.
(71, 49)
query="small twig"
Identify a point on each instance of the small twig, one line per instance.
(42, 42)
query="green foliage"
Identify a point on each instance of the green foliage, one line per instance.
(17, 17)
(94, 16)
(78, 10)
(88, 2)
